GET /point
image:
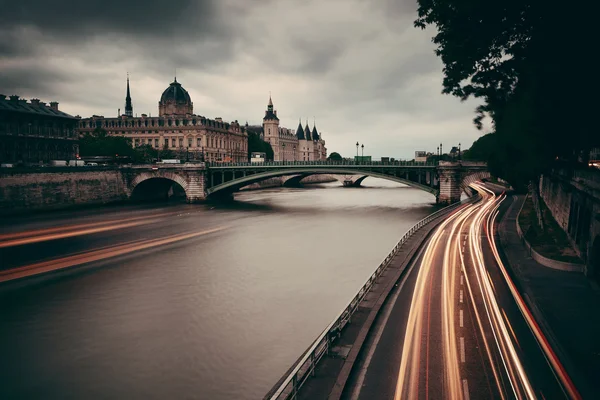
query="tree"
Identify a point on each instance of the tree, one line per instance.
(99, 143)
(532, 78)
(256, 144)
(335, 157)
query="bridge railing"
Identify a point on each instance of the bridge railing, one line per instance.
(288, 387)
(326, 163)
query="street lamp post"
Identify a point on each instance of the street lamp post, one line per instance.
(362, 146)
(357, 150)
(459, 155)
(283, 156)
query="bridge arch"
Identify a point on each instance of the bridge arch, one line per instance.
(467, 180)
(157, 185)
(235, 184)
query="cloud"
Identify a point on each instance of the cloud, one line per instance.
(358, 67)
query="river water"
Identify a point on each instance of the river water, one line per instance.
(219, 316)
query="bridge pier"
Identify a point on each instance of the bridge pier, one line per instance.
(449, 179)
(195, 188)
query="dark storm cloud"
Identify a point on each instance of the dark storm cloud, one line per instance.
(73, 18)
(16, 79)
(350, 63)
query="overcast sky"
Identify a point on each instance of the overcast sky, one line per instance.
(358, 66)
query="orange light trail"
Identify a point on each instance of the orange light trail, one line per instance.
(42, 235)
(476, 221)
(96, 255)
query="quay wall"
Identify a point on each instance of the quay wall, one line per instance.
(280, 180)
(59, 188)
(573, 198)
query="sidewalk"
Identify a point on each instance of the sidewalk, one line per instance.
(565, 304)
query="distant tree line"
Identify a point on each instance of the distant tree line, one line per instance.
(529, 63)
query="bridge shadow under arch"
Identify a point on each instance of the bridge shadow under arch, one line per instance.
(235, 184)
(158, 189)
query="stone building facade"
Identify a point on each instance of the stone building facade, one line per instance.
(303, 144)
(176, 128)
(34, 132)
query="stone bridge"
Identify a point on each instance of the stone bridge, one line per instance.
(445, 180)
(43, 188)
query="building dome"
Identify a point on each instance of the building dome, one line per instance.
(175, 92)
(175, 100)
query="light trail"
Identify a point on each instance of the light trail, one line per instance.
(551, 357)
(408, 377)
(42, 235)
(459, 240)
(97, 255)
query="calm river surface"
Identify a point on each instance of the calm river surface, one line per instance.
(221, 315)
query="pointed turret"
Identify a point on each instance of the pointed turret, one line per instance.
(300, 131)
(315, 134)
(128, 106)
(270, 113)
(307, 132)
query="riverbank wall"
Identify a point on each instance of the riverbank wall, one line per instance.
(60, 189)
(280, 180)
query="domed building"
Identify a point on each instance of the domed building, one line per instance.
(175, 100)
(193, 137)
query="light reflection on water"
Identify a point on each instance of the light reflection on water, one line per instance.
(218, 317)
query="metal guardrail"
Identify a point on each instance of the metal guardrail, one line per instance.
(305, 366)
(327, 163)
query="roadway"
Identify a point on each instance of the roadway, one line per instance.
(456, 327)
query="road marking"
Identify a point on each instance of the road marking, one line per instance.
(461, 318)
(462, 349)
(461, 294)
(466, 389)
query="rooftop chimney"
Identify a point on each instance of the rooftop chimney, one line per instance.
(35, 102)
(54, 105)
(14, 98)
(2, 97)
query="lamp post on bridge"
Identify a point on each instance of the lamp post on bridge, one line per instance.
(362, 146)
(356, 151)
(283, 145)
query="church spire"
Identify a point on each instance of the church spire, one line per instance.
(128, 106)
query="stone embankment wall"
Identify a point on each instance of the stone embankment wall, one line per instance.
(573, 198)
(62, 187)
(279, 181)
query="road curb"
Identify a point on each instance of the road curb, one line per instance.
(543, 260)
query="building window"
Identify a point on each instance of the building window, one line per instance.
(173, 144)
(166, 142)
(156, 143)
(180, 142)
(199, 142)
(190, 142)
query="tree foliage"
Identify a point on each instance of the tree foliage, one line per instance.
(256, 144)
(335, 157)
(99, 143)
(526, 61)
